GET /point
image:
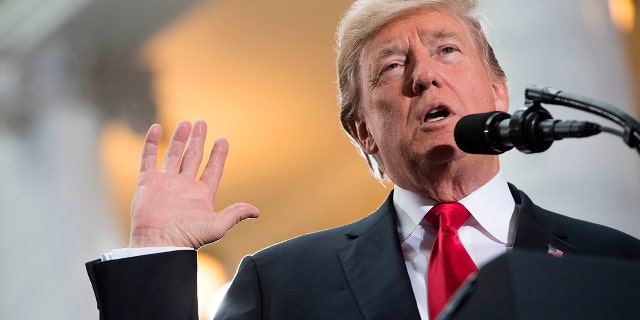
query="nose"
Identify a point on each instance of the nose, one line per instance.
(424, 75)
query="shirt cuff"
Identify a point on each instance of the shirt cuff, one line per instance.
(134, 252)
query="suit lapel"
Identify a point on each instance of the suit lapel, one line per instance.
(374, 267)
(533, 229)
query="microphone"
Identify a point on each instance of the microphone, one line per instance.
(530, 130)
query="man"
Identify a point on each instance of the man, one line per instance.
(408, 71)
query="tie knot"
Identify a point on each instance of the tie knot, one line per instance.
(449, 214)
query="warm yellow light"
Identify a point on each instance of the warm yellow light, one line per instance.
(211, 276)
(623, 13)
(120, 149)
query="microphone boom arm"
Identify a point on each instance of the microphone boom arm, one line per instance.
(631, 127)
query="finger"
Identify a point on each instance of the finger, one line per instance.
(173, 156)
(212, 173)
(149, 158)
(230, 216)
(195, 147)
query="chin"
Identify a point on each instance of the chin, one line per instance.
(443, 154)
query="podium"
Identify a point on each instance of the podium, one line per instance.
(524, 285)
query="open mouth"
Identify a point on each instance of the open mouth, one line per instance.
(436, 114)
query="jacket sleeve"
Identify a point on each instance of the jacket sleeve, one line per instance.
(243, 299)
(157, 286)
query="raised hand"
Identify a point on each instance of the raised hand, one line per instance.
(171, 206)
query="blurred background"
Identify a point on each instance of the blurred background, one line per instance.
(82, 80)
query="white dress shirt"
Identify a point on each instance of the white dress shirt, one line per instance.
(122, 253)
(485, 235)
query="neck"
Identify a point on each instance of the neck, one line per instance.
(453, 181)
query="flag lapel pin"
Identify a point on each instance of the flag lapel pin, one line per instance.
(554, 251)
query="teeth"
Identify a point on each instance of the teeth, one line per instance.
(436, 114)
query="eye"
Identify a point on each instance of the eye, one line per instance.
(447, 50)
(388, 70)
(392, 66)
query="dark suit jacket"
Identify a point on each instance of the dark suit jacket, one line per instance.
(355, 271)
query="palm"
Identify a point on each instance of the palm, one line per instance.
(171, 207)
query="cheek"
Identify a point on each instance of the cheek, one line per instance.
(476, 89)
(386, 113)
(382, 127)
(385, 116)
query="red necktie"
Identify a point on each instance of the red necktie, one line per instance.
(449, 263)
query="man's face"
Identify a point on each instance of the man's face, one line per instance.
(420, 74)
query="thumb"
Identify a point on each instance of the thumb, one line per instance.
(230, 216)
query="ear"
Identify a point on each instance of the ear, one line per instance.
(501, 95)
(361, 133)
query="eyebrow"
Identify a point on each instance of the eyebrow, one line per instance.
(382, 52)
(390, 48)
(441, 34)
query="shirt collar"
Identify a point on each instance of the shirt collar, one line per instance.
(491, 205)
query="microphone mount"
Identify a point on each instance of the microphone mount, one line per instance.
(523, 120)
(535, 95)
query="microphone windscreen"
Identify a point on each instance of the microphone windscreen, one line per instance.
(472, 135)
